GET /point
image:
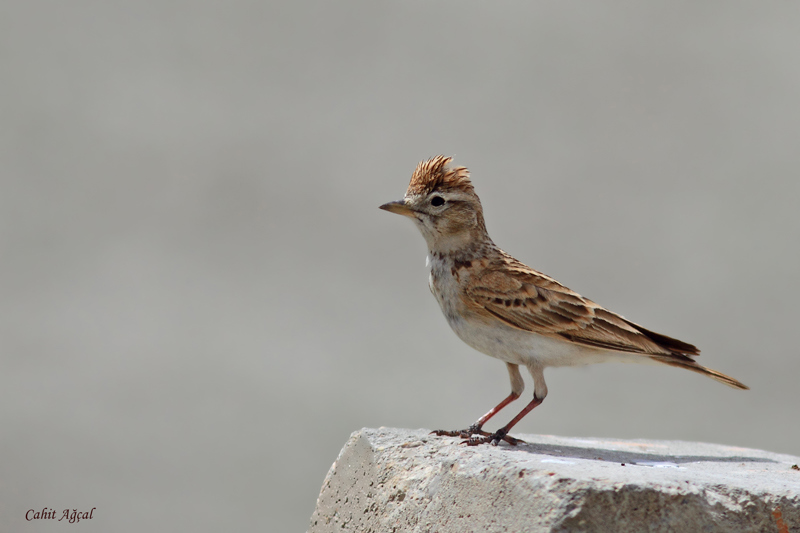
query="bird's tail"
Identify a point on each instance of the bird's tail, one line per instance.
(689, 364)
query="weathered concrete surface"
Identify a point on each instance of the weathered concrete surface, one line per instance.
(406, 480)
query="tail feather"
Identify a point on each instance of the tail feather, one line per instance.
(668, 343)
(689, 364)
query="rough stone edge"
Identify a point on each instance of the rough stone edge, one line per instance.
(730, 512)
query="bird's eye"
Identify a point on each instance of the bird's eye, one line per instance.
(436, 201)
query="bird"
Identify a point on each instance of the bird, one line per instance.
(507, 310)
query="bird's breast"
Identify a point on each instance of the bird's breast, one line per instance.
(447, 280)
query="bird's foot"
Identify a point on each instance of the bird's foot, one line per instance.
(493, 439)
(474, 429)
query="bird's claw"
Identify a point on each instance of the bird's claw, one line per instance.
(493, 439)
(474, 435)
(463, 433)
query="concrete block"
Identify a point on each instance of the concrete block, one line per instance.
(398, 480)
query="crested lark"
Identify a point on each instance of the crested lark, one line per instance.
(507, 310)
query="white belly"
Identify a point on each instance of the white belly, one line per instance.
(530, 349)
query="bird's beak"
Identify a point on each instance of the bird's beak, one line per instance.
(398, 207)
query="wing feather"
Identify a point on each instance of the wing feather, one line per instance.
(531, 301)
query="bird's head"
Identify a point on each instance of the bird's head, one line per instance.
(443, 204)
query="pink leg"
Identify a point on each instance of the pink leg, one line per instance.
(502, 433)
(485, 418)
(475, 429)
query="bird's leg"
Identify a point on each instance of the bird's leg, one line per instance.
(475, 429)
(502, 433)
(517, 386)
(539, 394)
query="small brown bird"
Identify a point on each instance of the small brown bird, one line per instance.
(509, 311)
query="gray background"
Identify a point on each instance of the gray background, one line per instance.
(200, 299)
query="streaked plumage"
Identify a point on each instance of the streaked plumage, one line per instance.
(507, 310)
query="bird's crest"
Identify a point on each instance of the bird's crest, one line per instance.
(436, 174)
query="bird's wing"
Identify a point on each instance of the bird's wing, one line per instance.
(529, 300)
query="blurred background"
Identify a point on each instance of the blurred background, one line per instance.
(200, 299)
